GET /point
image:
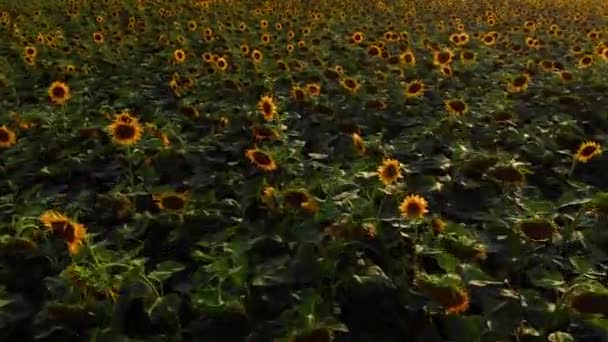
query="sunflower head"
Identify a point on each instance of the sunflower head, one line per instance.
(350, 84)
(267, 107)
(537, 229)
(179, 56)
(59, 92)
(445, 291)
(171, 201)
(519, 83)
(358, 143)
(390, 171)
(264, 133)
(261, 159)
(413, 207)
(587, 150)
(456, 107)
(414, 89)
(408, 58)
(125, 129)
(298, 93)
(8, 138)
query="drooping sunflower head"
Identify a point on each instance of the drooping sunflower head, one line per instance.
(59, 92)
(390, 171)
(267, 107)
(300, 199)
(446, 291)
(171, 201)
(72, 232)
(125, 129)
(414, 89)
(456, 107)
(264, 133)
(261, 159)
(587, 150)
(413, 207)
(8, 138)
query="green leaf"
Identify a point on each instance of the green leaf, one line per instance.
(447, 261)
(560, 336)
(165, 269)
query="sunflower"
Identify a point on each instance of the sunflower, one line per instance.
(438, 224)
(357, 37)
(390, 171)
(443, 57)
(565, 76)
(267, 107)
(408, 58)
(350, 84)
(171, 201)
(413, 206)
(179, 56)
(358, 143)
(414, 89)
(190, 111)
(604, 54)
(261, 159)
(586, 151)
(297, 199)
(256, 55)
(313, 89)
(489, 39)
(585, 61)
(467, 57)
(537, 229)
(298, 93)
(221, 64)
(72, 232)
(454, 300)
(59, 92)
(374, 50)
(446, 70)
(519, 83)
(8, 138)
(30, 51)
(456, 107)
(98, 37)
(125, 130)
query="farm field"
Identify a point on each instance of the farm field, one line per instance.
(339, 170)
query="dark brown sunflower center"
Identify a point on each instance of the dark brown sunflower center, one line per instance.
(586, 60)
(296, 198)
(508, 174)
(457, 106)
(173, 202)
(408, 58)
(64, 229)
(390, 171)
(124, 131)
(588, 150)
(413, 209)
(414, 88)
(589, 302)
(4, 136)
(262, 158)
(468, 55)
(267, 108)
(443, 57)
(447, 297)
(350, 83)
(58, 92)
(520, 81)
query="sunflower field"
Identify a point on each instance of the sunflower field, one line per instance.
(303, 171)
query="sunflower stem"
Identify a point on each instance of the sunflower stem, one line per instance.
(571, 168)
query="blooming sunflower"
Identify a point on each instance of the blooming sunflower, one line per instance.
(453, 300)
(298, 93)
(179, 56)
(519, 83)
(313, 89)
(585, 61)
(261, 159)
(221, 64)
(408, 58)
(565, 76)
(267, 107)
(467, 57)
(171, 201)
(59, 92)
(357, 37)
(443, 57)
(586, 151)
(456, 107)
(390, 171)
(72, 232)
(98, 37)
(413, 206)
(125, 130)
(537, 229)
(350, 84)
(414, 89)
(7, 137)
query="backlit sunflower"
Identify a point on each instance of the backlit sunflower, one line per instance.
(414, 89)
(261, 159)
(59, 92)
(358, 143)
(587, 150)
(8, 138)
(171, 201)
(72, 232)
(519, 83)
(125, 130)
(267, 107)
(413, 206)
(456, 107)
(390, 171)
